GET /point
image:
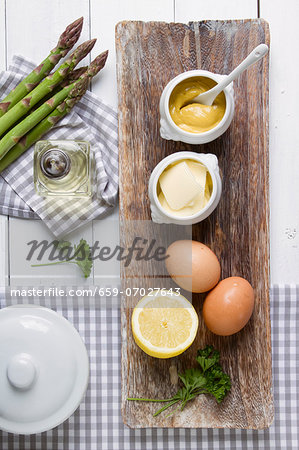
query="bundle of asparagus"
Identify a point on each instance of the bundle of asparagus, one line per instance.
(44, 103)
(66, 41)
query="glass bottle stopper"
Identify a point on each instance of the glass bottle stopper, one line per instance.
(55, 163)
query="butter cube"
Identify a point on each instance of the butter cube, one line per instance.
(179, 186)
(199, 172)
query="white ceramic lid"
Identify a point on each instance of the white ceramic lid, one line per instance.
(44, 369)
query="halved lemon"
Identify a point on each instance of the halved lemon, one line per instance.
(164, 325)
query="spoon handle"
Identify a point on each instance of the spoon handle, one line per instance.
(207, 98)
(258, 53)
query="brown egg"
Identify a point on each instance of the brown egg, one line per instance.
(193, 266)
(228, 307)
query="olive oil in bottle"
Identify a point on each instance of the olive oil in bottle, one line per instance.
(63, 168)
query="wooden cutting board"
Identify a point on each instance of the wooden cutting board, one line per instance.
(148, 56)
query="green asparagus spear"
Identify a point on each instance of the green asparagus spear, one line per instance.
(46, 124)
(61, 111)
(16, 133)
(46, 86)
(72, 76)
(87, 72)
(66, 41)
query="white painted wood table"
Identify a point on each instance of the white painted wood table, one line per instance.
(32, 27)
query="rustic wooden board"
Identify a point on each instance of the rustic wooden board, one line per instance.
(148, 56)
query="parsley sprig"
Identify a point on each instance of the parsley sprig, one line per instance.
(81, 256)
(207, 378)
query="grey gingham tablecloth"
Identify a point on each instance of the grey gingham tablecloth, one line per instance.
(90, 120)
(97, 424)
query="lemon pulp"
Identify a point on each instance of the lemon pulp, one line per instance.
(164, 326)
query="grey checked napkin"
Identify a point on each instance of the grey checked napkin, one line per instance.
(90, 120)
(97, 423)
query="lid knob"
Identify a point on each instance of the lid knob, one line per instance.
(21, 371)
(55, 163)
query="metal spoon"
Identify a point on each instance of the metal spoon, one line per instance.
(207, 98)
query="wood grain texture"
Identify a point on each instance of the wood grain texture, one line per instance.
(148, 56)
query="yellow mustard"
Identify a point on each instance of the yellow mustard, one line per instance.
(195, 117)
